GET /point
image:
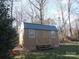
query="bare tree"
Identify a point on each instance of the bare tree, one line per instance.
(63, 19)
(31, 13)
(69, 13)
(77, 21)
(12, 1)
(63, 26)
(39, 7)
(11, 8)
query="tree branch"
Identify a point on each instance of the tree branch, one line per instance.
(28, 14)
(34, 4)
(38, 1)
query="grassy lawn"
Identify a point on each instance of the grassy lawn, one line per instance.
(63, 52)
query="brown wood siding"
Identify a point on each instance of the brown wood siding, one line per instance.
(54, 41)
(41, 38)
(29, 43)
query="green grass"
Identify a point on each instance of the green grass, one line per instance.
(63, 52)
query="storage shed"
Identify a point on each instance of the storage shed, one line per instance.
(36, 36)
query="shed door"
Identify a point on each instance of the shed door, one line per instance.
(42, 37)
(30, 41)
(54, 39)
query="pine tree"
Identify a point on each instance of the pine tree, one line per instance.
(8, 35)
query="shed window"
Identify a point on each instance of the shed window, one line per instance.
(31, 33)
(53, 34)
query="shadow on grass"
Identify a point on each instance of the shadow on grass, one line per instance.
(63, 52)
(49, 56)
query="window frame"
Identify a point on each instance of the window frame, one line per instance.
(31, 34)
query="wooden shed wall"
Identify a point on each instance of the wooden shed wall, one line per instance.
(29, 44)
(42, 37)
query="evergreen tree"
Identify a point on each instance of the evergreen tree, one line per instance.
(8, 35)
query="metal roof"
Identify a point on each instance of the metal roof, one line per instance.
(39, 27)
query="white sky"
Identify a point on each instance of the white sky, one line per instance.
(52, 10)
